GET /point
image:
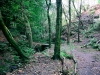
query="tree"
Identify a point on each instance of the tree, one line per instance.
(77, 12)
(58, 29)
(27, 25)
(11, 40)
(49, 21)
(66, 16)
(28, 32)
(69, 26)
(79, 22)
(79, 18)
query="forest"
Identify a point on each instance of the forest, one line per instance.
(49, 37)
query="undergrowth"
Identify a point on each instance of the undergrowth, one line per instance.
(88, 33)
(9, 59)
(66, 55)
(94, 43)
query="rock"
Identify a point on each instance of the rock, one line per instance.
(40, 47)
(20, 71)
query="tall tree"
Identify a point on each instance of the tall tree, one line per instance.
(49, 20)
(69, 25)
(63, 11)
(58, 29)
(77, 12)
(79, 18)
(79, 21)
(27, 24)
(10, 39)
(28, 32)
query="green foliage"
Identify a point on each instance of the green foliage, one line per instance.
(14, 32)
(95, 46)
(99, 1)
(93, 43)
(28, 52)
(23, 42)
(88, 33)
(95, 27)
(4, 70)
(2, 46)
(11, 60)
(64, 54)
(99, 47)
(45, 53)
(16, 58)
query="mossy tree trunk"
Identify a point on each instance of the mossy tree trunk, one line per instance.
(11, 39)
(48, 3)
(69, 25)
(27, 25)
(58, 29)
(28, 32)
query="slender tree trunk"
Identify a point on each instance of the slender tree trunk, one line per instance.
(58, 29)
(66, 16)
(27, 25)
(11, 39)
(69, 26)
(77, 13)
(28, 32)
(79, 22)
(49, 20)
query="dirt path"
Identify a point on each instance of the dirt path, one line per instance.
(41, 65)
(88, 60)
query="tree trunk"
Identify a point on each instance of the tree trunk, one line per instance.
(77, 13)
(27, 25)
(66, 16)
(79, 22)
(69, 26)
(58, 29)
(28, 32)
(11, 39)
(49, 21)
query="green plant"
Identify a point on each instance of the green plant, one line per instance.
(93, 43)
(2, 46)
(95, 46)
(28, 51)
(23, 42)
(99, 47)
(4, 70)
(16, 59)
(64, 54)
(45, 52)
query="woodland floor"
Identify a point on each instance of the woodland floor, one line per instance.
(88, 61)
(42, 64)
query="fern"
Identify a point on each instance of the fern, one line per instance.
(64, 54)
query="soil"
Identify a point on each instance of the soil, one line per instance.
(42, 64)
(88, 61)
